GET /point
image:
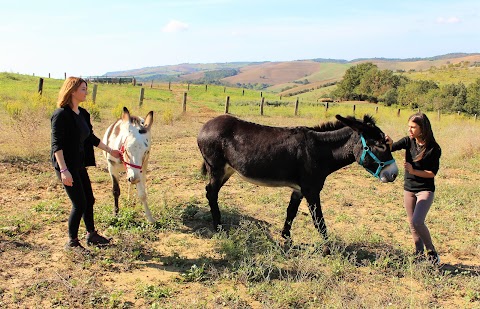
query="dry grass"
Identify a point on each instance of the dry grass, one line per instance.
(180, 263)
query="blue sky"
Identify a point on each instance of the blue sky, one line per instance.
(87, 37)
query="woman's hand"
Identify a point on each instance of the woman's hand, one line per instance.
(115, 153)
(389, 140)
(408, 167)
(67, 179)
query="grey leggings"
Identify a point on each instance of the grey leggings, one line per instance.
(417, 206)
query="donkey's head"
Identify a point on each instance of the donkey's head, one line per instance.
(371, 150)
(136, 143)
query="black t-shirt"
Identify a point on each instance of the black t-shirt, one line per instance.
(429, 162)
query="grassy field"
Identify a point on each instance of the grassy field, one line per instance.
(179, 262)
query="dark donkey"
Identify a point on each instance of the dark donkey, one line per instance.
(297, 157)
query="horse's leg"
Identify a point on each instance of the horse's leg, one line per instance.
(218, 177)
(142, 195)
(292, 210)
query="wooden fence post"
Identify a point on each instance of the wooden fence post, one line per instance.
(438, 115)
(224, 89)
(326, 106)
(40, 86)
(296, 107)
(261, 94)
(142, 91)
(227, 104)
(94, 93)
(243, 92)
(151, 84)
(353, 109)
(376, 109)
(206, 87)
(134, 81)
(398, 113)
(169, 85)
(184, 105)
(261, 106)
(48, 75)
(475, 117)
(65, 74)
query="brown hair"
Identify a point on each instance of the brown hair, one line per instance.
(426, 133)
(70, 85)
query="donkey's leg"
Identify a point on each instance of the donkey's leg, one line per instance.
(316, 212)
(218, 178)
(142, 195)
(114, 174)
(292, 210)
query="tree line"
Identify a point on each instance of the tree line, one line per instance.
(366, 82)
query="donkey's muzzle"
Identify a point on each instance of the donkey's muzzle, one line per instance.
(389, 173)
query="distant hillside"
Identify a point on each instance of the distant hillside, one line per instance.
(283, 76)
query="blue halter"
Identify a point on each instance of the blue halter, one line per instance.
(366, 151)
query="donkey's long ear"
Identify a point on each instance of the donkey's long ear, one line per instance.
(125, 114)
(148, 121)
(352, 123)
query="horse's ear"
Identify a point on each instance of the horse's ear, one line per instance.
(125, 114)
(352, 123)
(148, 121)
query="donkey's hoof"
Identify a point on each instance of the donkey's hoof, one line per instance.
(326, 251)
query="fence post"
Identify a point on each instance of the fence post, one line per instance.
(398, 113)
(224, 89)
(475, 117)
(169, 85)
(151, 84)
(206, 87)
(65, 75)
(243, 92)
(184, 105)
(353, 109)
(296, 107)
(376, 109)
(326, 106)
(188, 86)
(261, 106)
(134, 81)
(227, 104)
(48, 75)
(142, 91)
(40, 86)
(94, 93)
(261, 94)
(438, 115)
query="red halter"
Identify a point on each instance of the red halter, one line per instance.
(125, 163)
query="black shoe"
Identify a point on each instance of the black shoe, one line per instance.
(433, 257)
(93, 238)
(75, 245)
(419, 257)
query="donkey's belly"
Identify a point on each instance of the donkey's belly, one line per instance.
(264, 181)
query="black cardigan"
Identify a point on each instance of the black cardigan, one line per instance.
(66, 137)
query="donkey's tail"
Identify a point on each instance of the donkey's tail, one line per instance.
(203, 169)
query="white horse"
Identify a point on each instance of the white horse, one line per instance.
(131, 135)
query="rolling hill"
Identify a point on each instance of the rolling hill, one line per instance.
(282, 77)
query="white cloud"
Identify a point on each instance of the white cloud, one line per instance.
(175, 26)
(448, 20)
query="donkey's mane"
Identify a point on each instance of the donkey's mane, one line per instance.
(335, 125)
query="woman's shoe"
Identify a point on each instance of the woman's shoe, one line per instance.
(93, 238)
(75, 245)
(433, 257)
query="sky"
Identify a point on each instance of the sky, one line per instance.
(89, 38)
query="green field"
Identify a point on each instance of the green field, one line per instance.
(179, 262)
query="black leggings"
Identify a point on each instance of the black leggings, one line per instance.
(81, 195)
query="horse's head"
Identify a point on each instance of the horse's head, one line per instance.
(136, 143)
(371, 150)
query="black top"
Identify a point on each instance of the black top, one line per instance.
(67, 134)
(429, 162)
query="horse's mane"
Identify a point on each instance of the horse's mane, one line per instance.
(335, 125)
